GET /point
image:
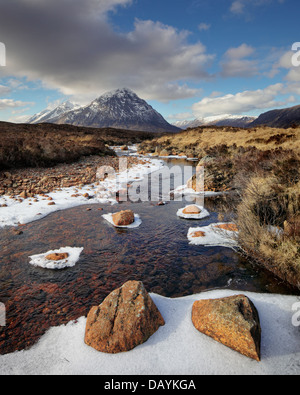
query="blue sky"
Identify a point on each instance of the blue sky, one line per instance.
(187, 58)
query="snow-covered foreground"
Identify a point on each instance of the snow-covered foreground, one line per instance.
(105, 193)
(175, 349)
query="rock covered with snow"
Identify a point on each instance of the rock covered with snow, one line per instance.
(125, 319)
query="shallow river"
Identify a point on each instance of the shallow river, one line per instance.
(157, 253)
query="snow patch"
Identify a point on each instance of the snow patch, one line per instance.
(212, 236)
(184, 190)
(41, 261)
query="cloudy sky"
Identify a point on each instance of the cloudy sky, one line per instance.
(187, 58)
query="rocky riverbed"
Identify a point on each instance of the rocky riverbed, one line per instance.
(22, 183)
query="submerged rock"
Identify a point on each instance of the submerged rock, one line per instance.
(125, 319)
(232, 321)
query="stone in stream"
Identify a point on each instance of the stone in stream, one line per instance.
(191, 210)
(125, 319)
(123, 218)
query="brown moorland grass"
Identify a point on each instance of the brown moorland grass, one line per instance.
(202, 138)
(44, 145)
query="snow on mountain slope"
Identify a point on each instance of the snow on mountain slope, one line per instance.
(220, 120)
(118, 109)
(121, 109)
(50, 115)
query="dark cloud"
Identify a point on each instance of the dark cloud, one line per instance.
(70, 45)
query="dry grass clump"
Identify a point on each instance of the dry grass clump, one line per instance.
(269, 226)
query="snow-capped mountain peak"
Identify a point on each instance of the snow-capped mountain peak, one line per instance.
(49, 115)
(121, 109)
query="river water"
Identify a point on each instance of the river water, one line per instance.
(157, 253)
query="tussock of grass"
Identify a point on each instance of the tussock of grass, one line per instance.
(268, 223)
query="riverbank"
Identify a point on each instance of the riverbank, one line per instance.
(31, 194)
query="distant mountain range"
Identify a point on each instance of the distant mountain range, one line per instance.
(121, 109)
(52, 115)
(239, 121)
(284, 118)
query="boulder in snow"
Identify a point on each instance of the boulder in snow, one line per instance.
(125, 319)
(232, 321)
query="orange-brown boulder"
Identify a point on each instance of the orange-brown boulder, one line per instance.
(123, 218)
(57, 256)
(191, 210)
(232, 321)
(125, 319)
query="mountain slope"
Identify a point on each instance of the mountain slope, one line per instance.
(239, 121)
(121, 109)
(50, 116)
(279, 118)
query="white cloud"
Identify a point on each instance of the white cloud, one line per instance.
(235, 64)
(10, 103)
(285, 62)
(241, 7)
(4, 90)
(240, 103)
(237, 7)
(204, 26)
(82, 55)
(240, 52)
